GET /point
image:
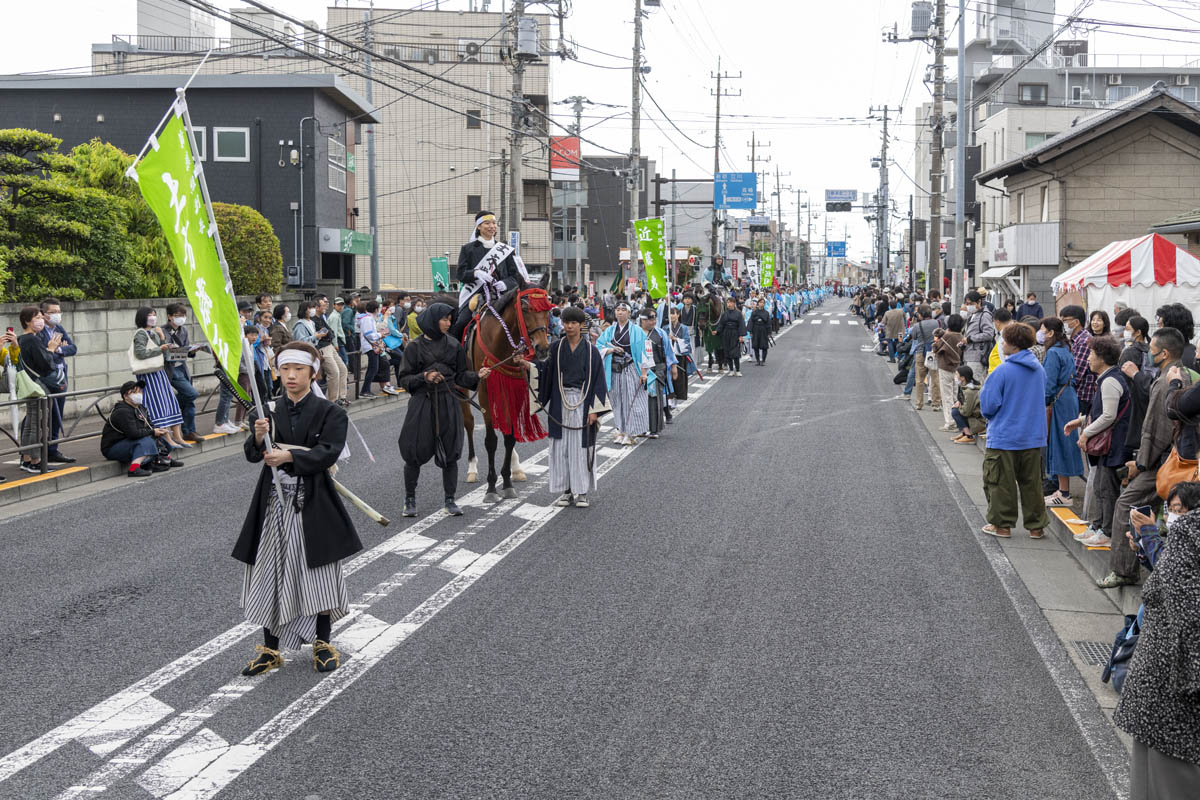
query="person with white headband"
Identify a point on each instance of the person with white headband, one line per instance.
(484, 260)
(293, 546)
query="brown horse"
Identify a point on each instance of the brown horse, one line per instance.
(504, 398)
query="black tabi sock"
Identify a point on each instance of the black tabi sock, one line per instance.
(324, 627)
(270, 640)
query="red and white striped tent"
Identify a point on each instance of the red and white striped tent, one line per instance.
(1144, 273)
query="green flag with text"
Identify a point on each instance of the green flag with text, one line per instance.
(441, 273)
(654, 256)
(766, 272)
(167, 178)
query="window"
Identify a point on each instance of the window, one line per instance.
(1032, 94)
(231, 144)
(200, 143)
(337, 165)
(1116, 94)
(1076, 94)
(537, 200)
(474, 203)
(1045, 204)
(1020, 206)
(474, 119)
(1034, 139)
(1185, 93)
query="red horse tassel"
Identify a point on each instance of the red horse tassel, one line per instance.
(508, 402)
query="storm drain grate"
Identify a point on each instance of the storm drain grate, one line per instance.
(1094, 654)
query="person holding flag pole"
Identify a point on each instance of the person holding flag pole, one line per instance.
(296, 532)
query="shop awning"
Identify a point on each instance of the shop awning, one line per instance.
(999, 272)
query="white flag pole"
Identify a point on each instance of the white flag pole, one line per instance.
(247, 353)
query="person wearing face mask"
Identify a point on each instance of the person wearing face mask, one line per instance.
(979, 331)
(177, 368)
(1013, 401)
(1158, 438)
(149, 346)
(52, 312)
(36, 362)
(1160, 704)
(413, 331)
(130, 438)
(1063, 459)
(1078, 336)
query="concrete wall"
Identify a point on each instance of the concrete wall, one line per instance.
(103, 331)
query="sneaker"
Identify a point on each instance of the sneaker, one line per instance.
(564, 500)
(140, 471)
(326, 657)
(452, 508)
(156, 465)
(1098, 539)
(948, 428)
(242, 426)
(1112, 580)
(367, 396)
(266, 660)
(410, 506)
(389, 389)
(964, 440)
(581, 501)
(1086, 533)
(1058, 499)
(31, 468)
(226, 428)
(652, 436)
(738, 373)
(999, 533)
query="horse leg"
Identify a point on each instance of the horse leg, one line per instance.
(518, 474)
(469, 426)
(489, 443)
(510, 444)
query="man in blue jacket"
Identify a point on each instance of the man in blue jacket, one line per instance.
(1014, 402)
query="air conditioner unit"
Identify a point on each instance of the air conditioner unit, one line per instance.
(1182, 80)
(1114, 80)
(469, 50)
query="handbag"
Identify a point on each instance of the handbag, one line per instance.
(1101, 443)
(1174, 470)
(143, 366)
(27, 387)
(1117, 667)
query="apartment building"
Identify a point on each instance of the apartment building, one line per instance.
(442, 87)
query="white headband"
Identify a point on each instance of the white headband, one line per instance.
(297, 356)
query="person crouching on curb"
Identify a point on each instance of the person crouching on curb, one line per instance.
(293, 546)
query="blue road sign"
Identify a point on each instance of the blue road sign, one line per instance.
(735, 190)
(835, 249)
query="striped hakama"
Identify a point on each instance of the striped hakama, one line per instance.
(280, 591)
(159, 398)
(628, 397)
(568, 457)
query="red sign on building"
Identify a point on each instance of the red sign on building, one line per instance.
(564, 158)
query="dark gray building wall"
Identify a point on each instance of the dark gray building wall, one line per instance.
(607, 214)
(271, 115)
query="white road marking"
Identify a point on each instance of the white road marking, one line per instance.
(816, 322)
(356, 637)
(189, 758)
(851, 322)
(459, 560)
(413, 546)
(827, 314)
(835, 322)
(532, 511)
(113, 733)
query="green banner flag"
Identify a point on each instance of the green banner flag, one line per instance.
(166, 176)
(441, 273)
(654, 256)
(766, 272)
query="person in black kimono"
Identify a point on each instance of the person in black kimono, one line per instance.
(433, 426)
(297, 532)
(731, 327)
(475, 269)
(760, 332)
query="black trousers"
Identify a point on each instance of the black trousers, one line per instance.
(760, 355)
(656, 407)
(449, 479)
(681, 381)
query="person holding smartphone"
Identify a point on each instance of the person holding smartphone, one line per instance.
(64, 348)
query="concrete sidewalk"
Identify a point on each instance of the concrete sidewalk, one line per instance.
(1058, 572)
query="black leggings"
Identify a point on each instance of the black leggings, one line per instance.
(449, 479)
(735, 361)
(760, 354)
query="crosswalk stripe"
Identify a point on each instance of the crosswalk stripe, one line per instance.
(835, 322)
(816, 322)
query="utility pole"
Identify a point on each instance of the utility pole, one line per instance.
(912, 249)
(717, 143)
(884, 209)
(779, 262)
(960, 161)
(933, 276)
(754, 161)
(636, 144)
(372, 205)
(577, 107)
(674, 199)
(516, 189)
(804, 270)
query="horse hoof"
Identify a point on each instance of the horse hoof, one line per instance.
(510, 493)
(472, 477)
(519, 476)
(491, 497)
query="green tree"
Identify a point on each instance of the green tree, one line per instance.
(251, 249)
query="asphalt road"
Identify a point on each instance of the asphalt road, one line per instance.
(777, 599)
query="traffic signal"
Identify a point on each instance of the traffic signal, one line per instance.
(837, 206)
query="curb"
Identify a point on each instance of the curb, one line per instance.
(70, 477)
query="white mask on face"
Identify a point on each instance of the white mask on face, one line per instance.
(287, 316)
(972, 309)
(312, 313)
(407, 305)
(135, 398)
(55, 319)
(1172, 517)
(1127, 336)
(179, 321)
(151, 321)
(38, 324)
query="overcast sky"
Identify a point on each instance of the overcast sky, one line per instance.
(810, 73)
